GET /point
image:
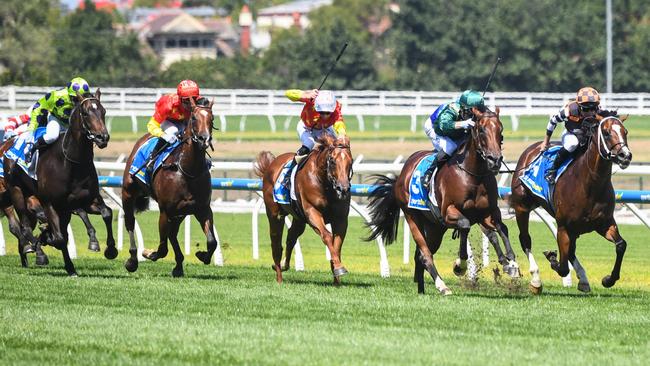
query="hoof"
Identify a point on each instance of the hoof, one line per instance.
(608, 281)
(178, 272)
(131, 265)
(512, 270)
(150, 255)
(459, 271)
(29, 248)
(584, 287)
(338, 272)
(93, 246)
(203, 257)
(42, 260)
(73, 275)
(110, 252)
(535, 289)
(445, 291)
(551, 255)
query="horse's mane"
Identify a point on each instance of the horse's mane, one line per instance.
(608, 113)
(324, 142)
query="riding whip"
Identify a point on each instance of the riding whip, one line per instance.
(333, 65)
(494, 70)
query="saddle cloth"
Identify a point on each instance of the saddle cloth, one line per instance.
(281, 194)
(418, 195)
(141, 156)
(533, 176)
(22, 145)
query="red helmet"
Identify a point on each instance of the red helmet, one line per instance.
(187, 88)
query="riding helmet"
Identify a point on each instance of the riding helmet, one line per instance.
(78, 85)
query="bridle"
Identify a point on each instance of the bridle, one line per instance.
(608, 151)
(84, 127)
(195, 138)
(331, 163)
(479, 150)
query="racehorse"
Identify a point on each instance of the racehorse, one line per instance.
(181, 187)
(67, 179)
(322, 188)
(583, 200)
(466, 191)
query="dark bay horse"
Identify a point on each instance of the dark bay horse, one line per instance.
(181, 187)
(67, 179)
(465, 190)
(583, 200)
(322, 189)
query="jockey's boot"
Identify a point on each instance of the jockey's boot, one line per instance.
(441, 158)
(300, 155)
(154, 154)
(561, 156)
(39, 144)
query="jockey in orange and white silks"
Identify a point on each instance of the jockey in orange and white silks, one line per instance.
(14, 125)
(586, 105)
(172, 110)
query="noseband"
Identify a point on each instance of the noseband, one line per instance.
(608, 152)
(194, 137)
(84, 126)
(331, 163)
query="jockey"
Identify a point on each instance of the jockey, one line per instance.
(447, 127)
(586, 105)
(321, 114)
(14, 126)
(53, 111)
(172, 110)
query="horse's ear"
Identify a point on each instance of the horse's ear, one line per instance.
(98, 94)
(477, 112)
(497, 111)
(192, 102)
(623, 117)
(80, 96)
(211, 103)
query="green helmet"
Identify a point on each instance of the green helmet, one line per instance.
(78, 85)
(470, 99)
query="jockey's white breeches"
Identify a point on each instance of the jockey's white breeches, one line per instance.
(52, 129)
(570, 141)
(308, 136)
(440, 143)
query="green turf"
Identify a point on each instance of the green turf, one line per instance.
(237, 314)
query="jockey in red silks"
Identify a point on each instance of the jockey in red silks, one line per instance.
(14, 125)
(321, 114)
(172, 110)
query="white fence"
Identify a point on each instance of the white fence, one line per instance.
(134, 102)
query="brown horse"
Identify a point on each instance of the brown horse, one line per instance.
(322, 189)
(583, 200)
(181, 187)
(465, 190)
(67, 178)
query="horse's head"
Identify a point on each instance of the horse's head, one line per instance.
(89, 116)
(612, 139)
(201, 123)
(487, 134)
(339, 163)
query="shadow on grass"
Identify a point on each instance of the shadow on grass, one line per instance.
(325, 283)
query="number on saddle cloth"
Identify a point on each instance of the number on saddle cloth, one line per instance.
(21, 147)
(533, 176)
(142, 156)
(418, 196)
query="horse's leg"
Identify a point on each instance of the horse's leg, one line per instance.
(339, 229)
(426, 257)
(163, 232)
(460, 264)
(14, 228)
(296, 229)
(100, 207)
(523, 217)
(610, 232)
(20, 206)
(128, 205)
(583, 282)
(509, 262)
(58, 224)
(276, 226)
(454, 218)
(493, 238)
(173, 227)
(205, 219)
(564, 240)
(93, 243)
(418, 273)
(318, 224)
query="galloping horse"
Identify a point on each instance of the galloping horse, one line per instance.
(181, 187)
(322, 190)
(583, 200)
(67, 179)
(465, 190)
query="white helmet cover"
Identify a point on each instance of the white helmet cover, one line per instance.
(325, 101)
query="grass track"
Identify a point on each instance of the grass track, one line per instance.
(238, 315)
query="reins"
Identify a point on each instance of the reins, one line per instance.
(83, 128)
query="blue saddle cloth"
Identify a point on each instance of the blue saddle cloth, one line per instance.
(533, 176)
(21, 146)
(143, 154)
(282, 194)
(418, 195)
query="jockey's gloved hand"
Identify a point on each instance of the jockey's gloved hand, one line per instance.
(466, 125)
(170, 138)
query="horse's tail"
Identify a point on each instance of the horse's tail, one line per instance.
(141, 203)
(262, 163)
(384, 210)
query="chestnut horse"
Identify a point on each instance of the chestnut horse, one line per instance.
(181, 187)
(322, 189)
(67, 178)
(583, 200)
(467, 194)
